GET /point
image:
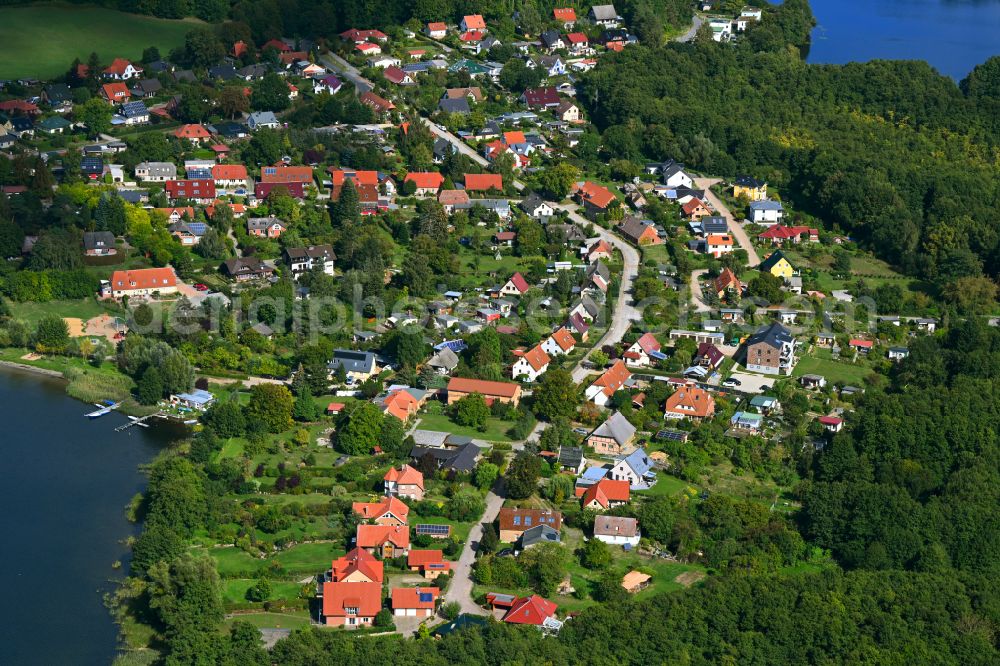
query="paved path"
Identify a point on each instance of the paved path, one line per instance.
(697, 297)
(349, 71)
(690, 34)
(460, 589)
(735, 229)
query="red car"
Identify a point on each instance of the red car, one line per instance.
(200, 287)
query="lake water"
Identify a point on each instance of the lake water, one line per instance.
(63, 490)
(952, 35)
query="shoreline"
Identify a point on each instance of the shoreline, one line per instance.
(33, 369)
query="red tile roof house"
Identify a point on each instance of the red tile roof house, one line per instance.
(863, 346)
(638, 354)
(199, 190)
(389, 511)
(472, 22)
(483, 182)
(532, 610)
(565, 15)
(531, 365)
(599, 250)
(387, 540)
(832, 423)
(405, 482)
(143, 282)
(351, 605)
(361, 36)
(193, 133)
(228, 176)
(427, 182)
(515, 286)
(121, 69)
(285, 174)
(726, 282)
(451, 198)
(541, 98)
(507, 392)
(368, 49)
(116, 93)
(394, 74)
(559, 343)
(414, 601)
(436, 30)
(430, 563)
(608, 384)
(357, 566)
(594, 197)
(380, 105)
(606, 494)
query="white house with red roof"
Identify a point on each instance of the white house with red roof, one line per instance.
(472, 22)
(531, 365)
(559, 343)
(515, 286)
(407, 481)
(613, 379)
(121, 69)
(533, 610)
(638, 353)
(436, 30)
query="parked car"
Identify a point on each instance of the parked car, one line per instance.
(730, 383)
(201, 287)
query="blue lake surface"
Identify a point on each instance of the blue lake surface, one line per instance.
(66, 481)
(952, 35)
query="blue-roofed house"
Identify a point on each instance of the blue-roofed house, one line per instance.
(636, 468)
(197, 399)
(747, 421)
(766, 213)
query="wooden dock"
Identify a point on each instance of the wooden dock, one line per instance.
(139, 421)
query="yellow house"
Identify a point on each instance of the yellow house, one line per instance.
(749, 187)
(776, 264)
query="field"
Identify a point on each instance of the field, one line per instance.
(42, 40)
(86, 308)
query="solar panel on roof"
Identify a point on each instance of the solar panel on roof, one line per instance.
(426, 597)
(675, 435)
(433, 530)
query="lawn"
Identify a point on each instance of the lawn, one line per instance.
(665, 485)
(435, 419)
(838, 372)
(42, 40)
(234, 591)
(297, 620)
(304, 559)
(86, 308)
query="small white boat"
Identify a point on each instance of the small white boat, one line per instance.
(103, 409)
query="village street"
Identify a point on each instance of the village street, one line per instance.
(460, 589)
